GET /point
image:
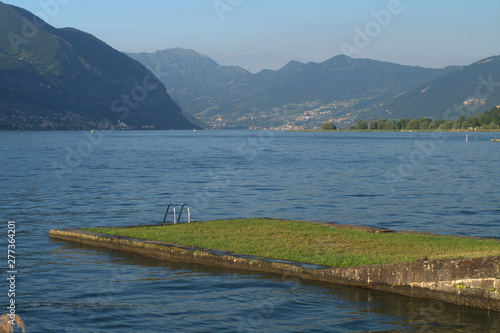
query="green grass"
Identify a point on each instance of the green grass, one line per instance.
(310, 243)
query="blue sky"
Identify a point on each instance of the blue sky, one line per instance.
(258, 34)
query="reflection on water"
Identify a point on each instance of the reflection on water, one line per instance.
(195, 298)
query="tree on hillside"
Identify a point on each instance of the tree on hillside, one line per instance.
(401, 124)
(446, 125)
(384, 124)
(412, 125)
(328, 126)
(484, 118)
(495, 116)
(424, 123)
(362, 124)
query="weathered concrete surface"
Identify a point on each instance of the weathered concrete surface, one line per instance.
(471, 282)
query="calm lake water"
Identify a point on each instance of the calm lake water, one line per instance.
(422, 181)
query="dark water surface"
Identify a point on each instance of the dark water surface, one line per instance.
(423, 181)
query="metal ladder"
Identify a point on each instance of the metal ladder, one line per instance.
(180, 213)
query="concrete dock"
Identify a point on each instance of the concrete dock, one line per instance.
(467, 281)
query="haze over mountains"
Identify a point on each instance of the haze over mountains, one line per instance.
(340, 89)
(67, 79)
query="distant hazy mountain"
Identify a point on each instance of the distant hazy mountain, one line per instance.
(470, 89)
(306, 95)
(66, 78)
(196, 82)
(338, 78)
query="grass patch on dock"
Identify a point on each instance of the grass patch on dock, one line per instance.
(310, 243)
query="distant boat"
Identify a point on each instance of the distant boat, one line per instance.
(495, 140)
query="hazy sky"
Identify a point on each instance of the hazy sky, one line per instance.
(258, 34)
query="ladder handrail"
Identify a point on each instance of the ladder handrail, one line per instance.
(168, 207)
(180, 213)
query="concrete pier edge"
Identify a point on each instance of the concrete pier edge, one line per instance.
(471, 282)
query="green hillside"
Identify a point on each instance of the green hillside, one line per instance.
(67, 79)
(195, 82)
(468, 90)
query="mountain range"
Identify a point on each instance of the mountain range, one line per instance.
(340, 89)
(468, 90)
(67, 79)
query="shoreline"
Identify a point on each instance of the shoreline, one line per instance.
(464, 281)
(402, 131)
(261, 129)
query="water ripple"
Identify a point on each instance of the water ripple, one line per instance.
(128, 179)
